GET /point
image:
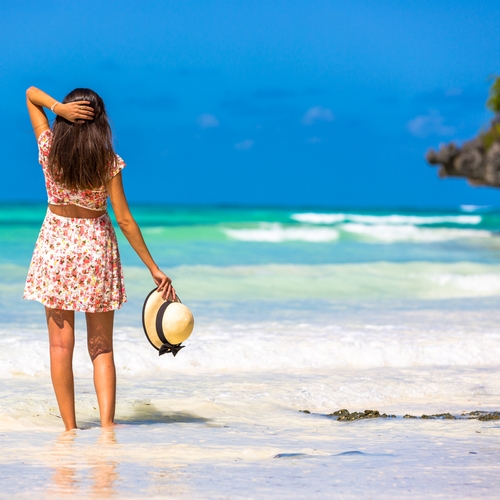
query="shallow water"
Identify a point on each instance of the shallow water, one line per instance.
(401, 316)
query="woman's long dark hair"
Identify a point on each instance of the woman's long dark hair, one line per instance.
(82, 154)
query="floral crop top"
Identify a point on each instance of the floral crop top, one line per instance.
(59, 195)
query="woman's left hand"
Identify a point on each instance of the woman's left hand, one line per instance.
(164, 284)
(75, 112)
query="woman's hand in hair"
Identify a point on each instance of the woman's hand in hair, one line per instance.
(75, 112)
(164, 285)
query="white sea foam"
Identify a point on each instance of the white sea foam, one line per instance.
(276, 233)
(315, 218)
(385, 233)
(325, 218)
(417, 220)
(474, 208)
(263, 346)
(394, 233)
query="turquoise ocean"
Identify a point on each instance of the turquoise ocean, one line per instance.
(299, 312)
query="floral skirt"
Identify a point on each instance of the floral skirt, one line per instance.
(76, 265)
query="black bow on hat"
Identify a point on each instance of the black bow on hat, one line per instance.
(167, 347)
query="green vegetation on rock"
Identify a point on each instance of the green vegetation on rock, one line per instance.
(491, 136)
(494, 100)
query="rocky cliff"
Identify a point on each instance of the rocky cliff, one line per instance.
(477, 160)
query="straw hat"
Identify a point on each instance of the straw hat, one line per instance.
(166, 323)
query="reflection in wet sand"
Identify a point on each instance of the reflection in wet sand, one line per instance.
(104, 472)
(86, 465)
(84, 474)
(64, 479)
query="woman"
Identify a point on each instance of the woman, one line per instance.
(76, 265)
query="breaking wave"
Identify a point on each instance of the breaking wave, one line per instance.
(380, 233)
(320, 218)
(395, 233)
(276, 233)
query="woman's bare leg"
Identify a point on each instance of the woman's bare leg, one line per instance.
(61, 326)
(100, 345)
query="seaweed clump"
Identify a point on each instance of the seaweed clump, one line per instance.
(344, 415)
(482, 415)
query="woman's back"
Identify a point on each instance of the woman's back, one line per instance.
(73, 201)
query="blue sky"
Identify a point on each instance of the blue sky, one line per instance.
(260, 102)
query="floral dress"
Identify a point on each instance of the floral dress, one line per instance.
(76, 263)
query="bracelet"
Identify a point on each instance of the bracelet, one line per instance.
(53, 106)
